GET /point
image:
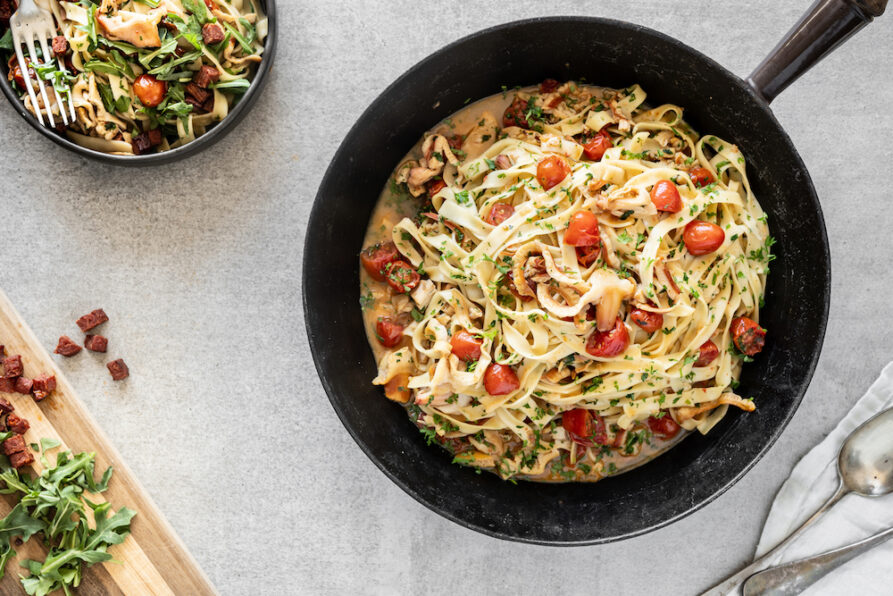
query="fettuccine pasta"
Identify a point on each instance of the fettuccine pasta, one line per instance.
(563, 294)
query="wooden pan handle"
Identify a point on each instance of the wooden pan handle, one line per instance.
(826, 25)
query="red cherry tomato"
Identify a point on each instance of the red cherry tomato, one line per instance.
(435, 186)
(584, 427)
(594, 148)
(549, 86)
(551, 171)
(500, 379)
(700, 176)
(582, 230)
(707, 353)
(389, 332)
(664, 427)
(376, 257)
(607, 344)
(499, 213)
(516, 114)
(647, 320)
(149, 90)
(466, 346)
(587, 255)
(401, 276)
(210, 4)
(15, 72)
(665, 197)
(702, 237)
(748, 336)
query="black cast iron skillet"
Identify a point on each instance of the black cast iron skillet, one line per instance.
(608, 53)
(236, 114)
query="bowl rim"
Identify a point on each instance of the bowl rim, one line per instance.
(221, 129)
(319, 206)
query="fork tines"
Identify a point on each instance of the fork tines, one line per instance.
(27, 24)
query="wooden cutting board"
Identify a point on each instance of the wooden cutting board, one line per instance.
(153, 560)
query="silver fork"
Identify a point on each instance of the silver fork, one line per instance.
(30, 22)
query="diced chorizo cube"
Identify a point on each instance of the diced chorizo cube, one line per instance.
(154, 136)
(118, 369)
(7, 385)
(212, 34)
(92, 319)
(196, 92)
(66, 347)
(23, 385)
(5, 406)
(60, 45)
(2, 350)
(23, 458)
(96, 343)
(44, 383)
(39, 395)
(14, 444)
(206, 75)
(17, 425)
(12, 367)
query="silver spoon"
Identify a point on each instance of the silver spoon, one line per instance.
(864, 467)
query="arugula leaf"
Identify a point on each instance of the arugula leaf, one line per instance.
(6, 41)
(246, 45)
(237, 86)
(199, 11)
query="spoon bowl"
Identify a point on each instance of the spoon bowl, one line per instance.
(866, 458)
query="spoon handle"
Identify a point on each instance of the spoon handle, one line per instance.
(727, 586)
(792, 578)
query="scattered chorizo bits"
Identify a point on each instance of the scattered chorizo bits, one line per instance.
(15, 381)
(96, 343)
(66, 347)
(92, 319)
(118, 369)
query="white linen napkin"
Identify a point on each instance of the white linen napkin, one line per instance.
(813, 481)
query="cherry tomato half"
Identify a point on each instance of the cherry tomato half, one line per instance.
(401, 276)
(149, 90)
(647, 320)
(664, 427)
(701, 176)
(499, 213)
(500, 379)
(707, 353)
(551, 171)
(584, 427)
(466, 346)
(607, 344)
(388, 332)
(665, 197)
(376, 257)
(435, 186)
(748, 336)
(582, 230)
(594, 147)
(702, 237)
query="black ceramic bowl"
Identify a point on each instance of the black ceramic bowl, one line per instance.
(607, 53)
(236, 114)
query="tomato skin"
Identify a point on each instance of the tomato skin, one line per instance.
(376, 257)
(647, 320)
(665, 197)
(549, 86)
(701, 176)
(551, 171)
(707, 353)
(510, 285)
(748, 336)
(584, 427)
(595, 147)
(664, 427)
(500, 379)
(582, 230)
(388, 331)
(401, 276)
(466, 346)
(515, 114)
(702, 237)
(499, 213)
(149, 90)
(607, 344)
(587, 255)
(435, 186)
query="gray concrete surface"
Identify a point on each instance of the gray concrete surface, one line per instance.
(198, 264)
